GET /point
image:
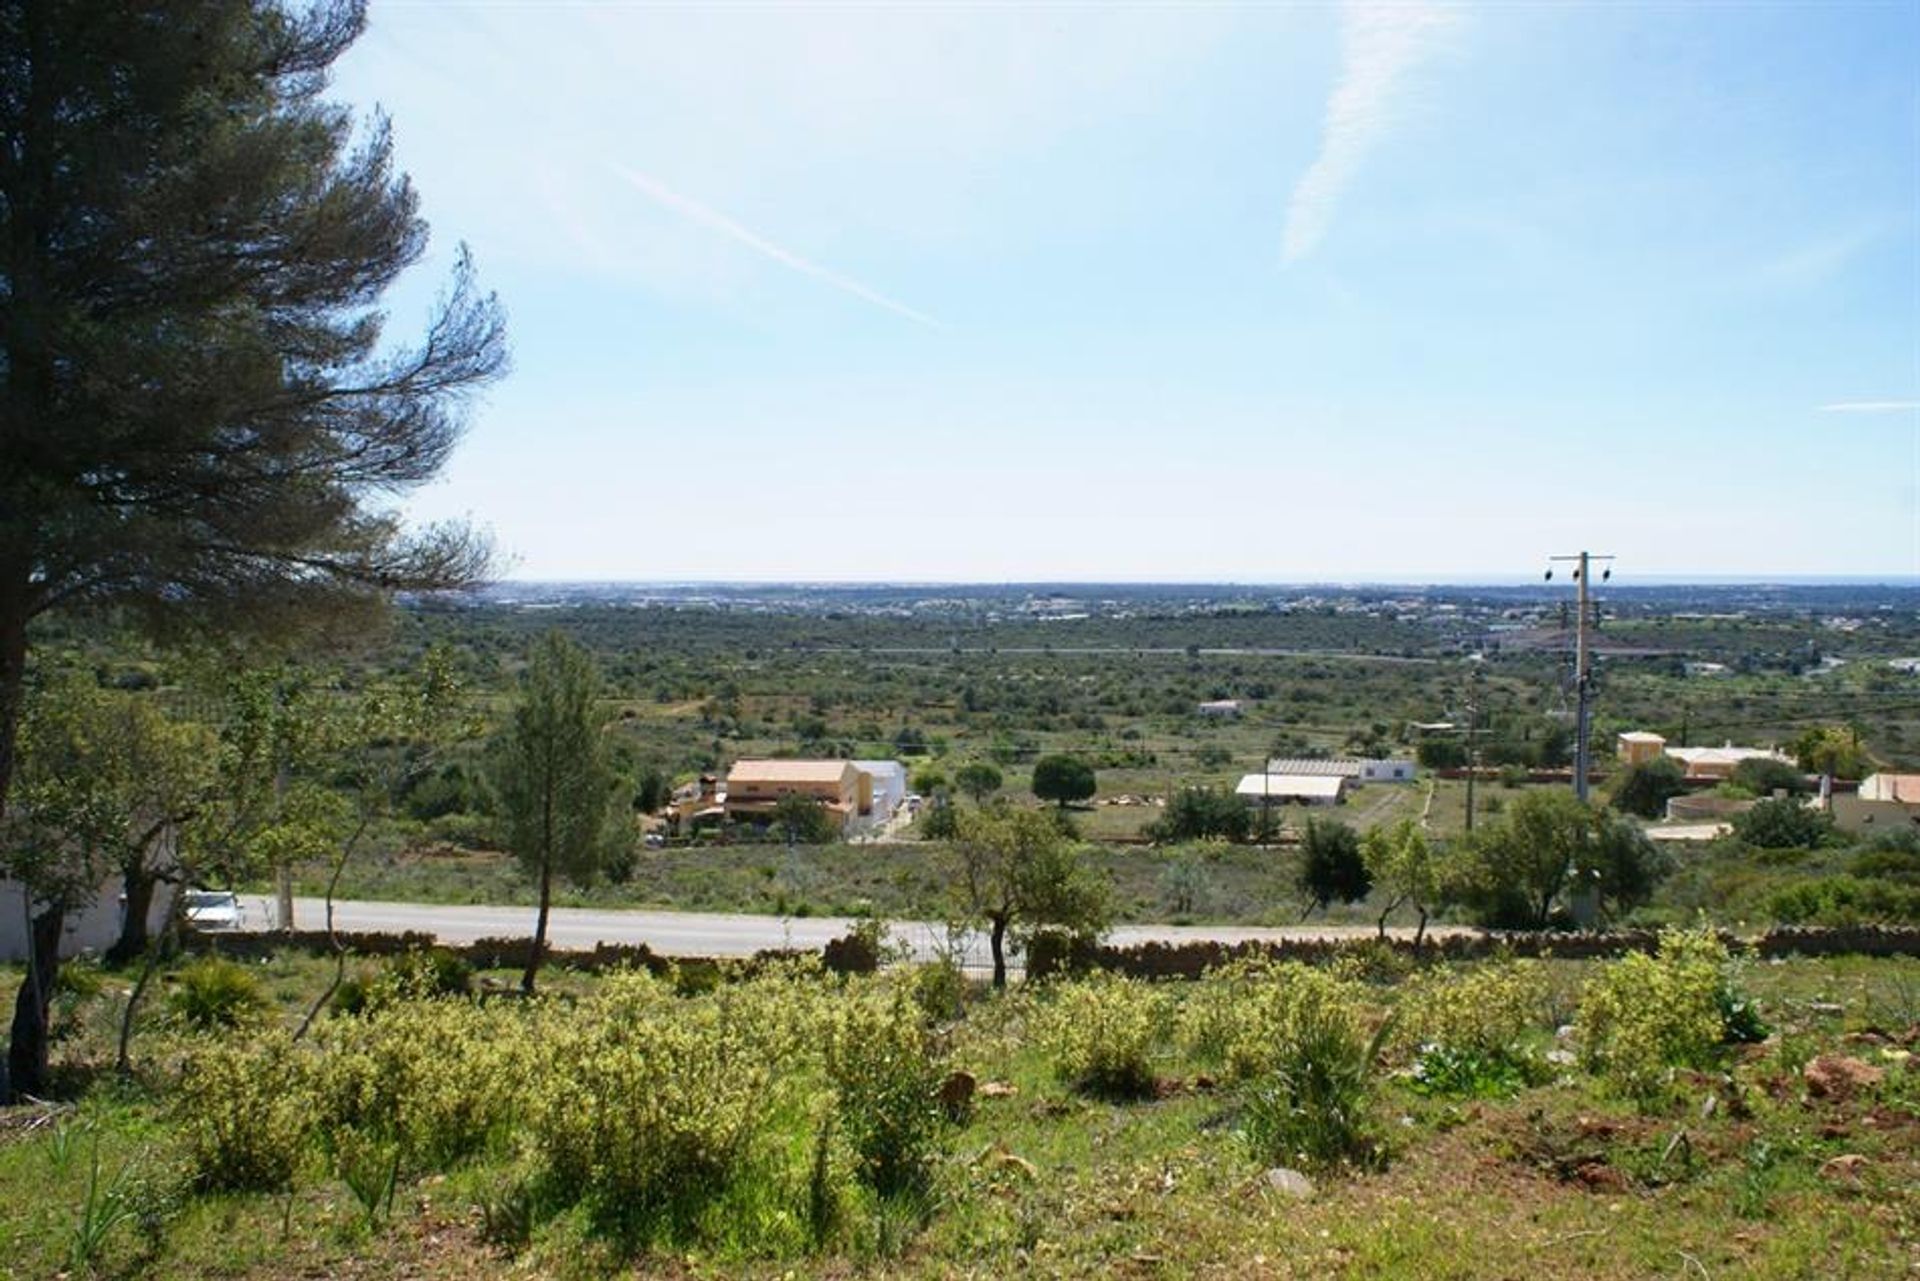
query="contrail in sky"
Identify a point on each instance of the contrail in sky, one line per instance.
(1871, 407)
(714, 220)
(1380, 44)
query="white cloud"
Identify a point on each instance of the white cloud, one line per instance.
(1381, 42)
(714, 220)
(1872, 407)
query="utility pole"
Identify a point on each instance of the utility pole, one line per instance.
(1582, 663)
(1473, 752)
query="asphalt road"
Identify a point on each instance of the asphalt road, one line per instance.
(711, 933)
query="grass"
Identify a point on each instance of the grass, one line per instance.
(1243, 885)
(1563, 1179)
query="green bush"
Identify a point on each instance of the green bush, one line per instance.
(430, 1080)
(1781, 823)
(432, 971)
(886, 1078)
(1470, 1029)
(1250, 1016)
(245, 1112)
(216, 993)
(1311, 1107)
(1845, 900)
(1642, 1016)
(1103, 1034)
(649, 1112)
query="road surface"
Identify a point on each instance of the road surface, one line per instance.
(716, 933)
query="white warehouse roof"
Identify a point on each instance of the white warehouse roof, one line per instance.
(1291, 787)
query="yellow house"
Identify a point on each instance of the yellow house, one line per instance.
(755, 787)
(1638, 746)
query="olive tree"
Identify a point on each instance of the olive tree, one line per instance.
(1018, 871)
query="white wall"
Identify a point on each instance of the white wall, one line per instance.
(92, 929)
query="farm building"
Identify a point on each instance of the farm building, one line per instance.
(1301, 789)
(1720, 762)
(755, 787)
(1358, 769)
(1638, 746)
(888, 787)
(1226, 708)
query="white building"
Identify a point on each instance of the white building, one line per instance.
(889, 786)
(1720, 762)
(1359, 769)
(1904, 788)
(93, 928)
(1222, 707)
(1302, 789)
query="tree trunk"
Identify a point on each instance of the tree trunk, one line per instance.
(1382, 923)
(27, 1047)
(1420, 931)
(997, 939)
(138, 881)
(539, 928)
(27, 1042)
(13, 679)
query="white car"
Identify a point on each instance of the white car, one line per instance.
(214, 910)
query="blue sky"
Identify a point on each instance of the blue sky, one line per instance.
(1252, 293)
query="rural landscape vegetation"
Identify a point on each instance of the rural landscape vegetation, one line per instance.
(1490, 1015)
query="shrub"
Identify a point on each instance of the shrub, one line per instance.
(1311, 1107)
(1642, 1016)
(245, 1112)
(1202, 813)
(1763, 776)
(1441, 1071)
(1878, 862)
(1783, 823)
(649, 1111)
(431, 971)
(216, 993)
(1646, 788)
(1845, 901)
(1470, 1029)
(1250, 1018)
(428, 1080)
(1103, 1033)
(886, 1079)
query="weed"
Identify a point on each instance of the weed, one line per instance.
(105, 1207)
(1312, 1107)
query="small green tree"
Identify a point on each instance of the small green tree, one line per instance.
(1406, 868)
(1017, 870)
(1763, 776)
(1832, 750)
(803, 820)
(651, 791)
(1783, 823)
(1515, 871)
(978, 780)
(1203, 813)
(1062, 779)
(1646, 787)
(1331, 868)
(553, 781)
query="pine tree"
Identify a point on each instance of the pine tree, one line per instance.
(202, 422)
